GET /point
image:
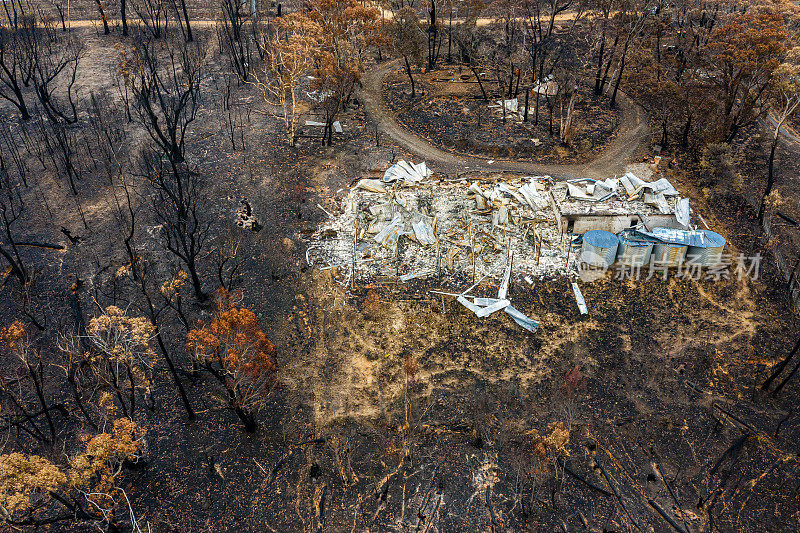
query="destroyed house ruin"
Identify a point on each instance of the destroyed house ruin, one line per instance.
(412, 225)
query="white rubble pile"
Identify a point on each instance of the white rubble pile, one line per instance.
(628, 191)
(408, 226)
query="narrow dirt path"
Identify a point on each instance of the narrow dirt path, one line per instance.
(633, 130)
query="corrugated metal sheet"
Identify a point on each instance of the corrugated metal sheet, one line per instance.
(699, 238)
(599, 248)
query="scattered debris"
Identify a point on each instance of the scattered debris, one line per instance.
(546, 87)
(407, 173)
(318, 96)
(527, 323)
(618, 203)
(409, 222)
(245, 218)
(579, 298)
(682, 212)
(412, 225)
(337, 126)
(371, 186)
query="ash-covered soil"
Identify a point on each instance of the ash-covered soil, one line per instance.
(396, 413)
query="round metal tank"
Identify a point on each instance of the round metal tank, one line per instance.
(711, 253)
(633, 251)
(599, 248)
(668, 255)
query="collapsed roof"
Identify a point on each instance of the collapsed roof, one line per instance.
(628, 195)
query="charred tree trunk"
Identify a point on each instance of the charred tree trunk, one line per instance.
(123, 12)
(687, 128)
(433, 34)
(480, 83)
(770, 177)
(164, 351)
(780, 366)
(617, 82)
(410, 77)
(102, 12)
(189, 37)
(598, 88)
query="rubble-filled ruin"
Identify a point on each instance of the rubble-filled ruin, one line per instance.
(434, 227)
(413, 224)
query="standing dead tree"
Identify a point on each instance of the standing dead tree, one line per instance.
(15, 60)
(785, 101)
(165, 80)
(11, 207)
(32, 52)
(348, 31)
(408, 40)
(182, 16)
(153, 14)
(470, 41)
(27, 387)
(60, 144)
(179, 205)
(51, 57)
(235, 38)
(143, 274)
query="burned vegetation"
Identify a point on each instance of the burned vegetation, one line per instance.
(429, 266)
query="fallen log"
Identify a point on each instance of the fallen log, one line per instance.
(787, 218)
(311, 441)
(732, 449)
(674, 496)
(744, 424)
(778, 368)
(583, 480)
(616, 493)
(671, 521)
(42, 245)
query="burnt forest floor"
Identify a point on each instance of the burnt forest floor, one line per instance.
(397, 411)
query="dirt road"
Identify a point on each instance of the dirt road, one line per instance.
(788, 136)
(633, 131)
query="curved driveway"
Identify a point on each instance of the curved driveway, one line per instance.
(633, 130)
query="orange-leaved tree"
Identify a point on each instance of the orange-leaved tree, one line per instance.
(744, 53)
(122, 357)
(235, 350)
